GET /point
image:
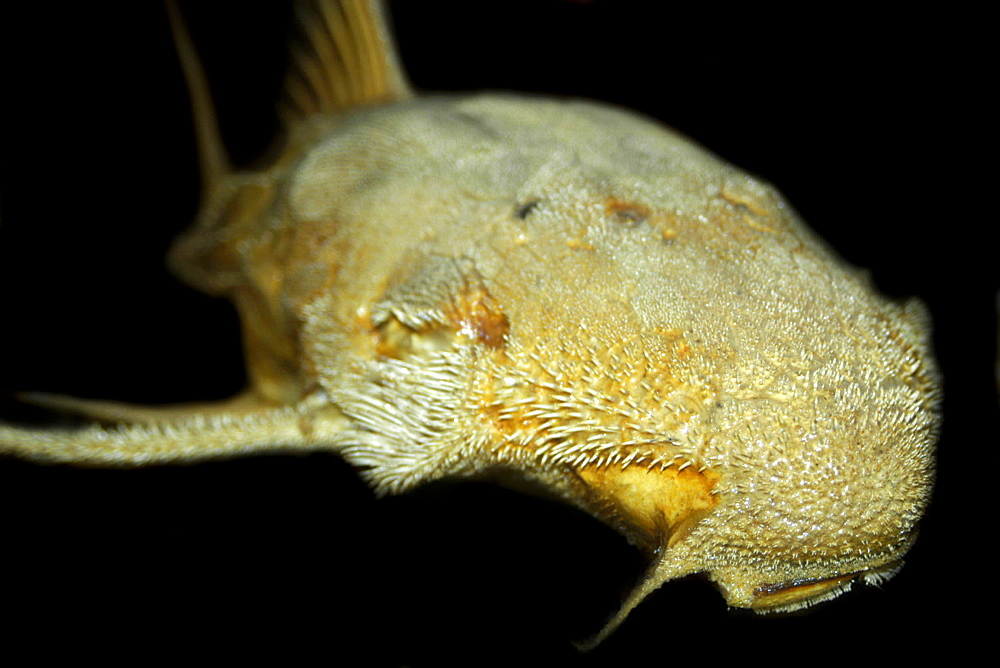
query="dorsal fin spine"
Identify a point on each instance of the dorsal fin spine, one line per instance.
(213, 160)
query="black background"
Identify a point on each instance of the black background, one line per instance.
(869, 122)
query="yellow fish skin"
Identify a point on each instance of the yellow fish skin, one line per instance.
(615, 316)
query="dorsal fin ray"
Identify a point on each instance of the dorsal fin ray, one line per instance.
(344, 58)
(213, 160)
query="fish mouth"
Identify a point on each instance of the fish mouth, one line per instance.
(799, 593)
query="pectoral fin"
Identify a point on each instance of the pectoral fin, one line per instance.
(143, 436)
(120, 412)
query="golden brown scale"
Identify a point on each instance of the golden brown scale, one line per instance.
(551, 292)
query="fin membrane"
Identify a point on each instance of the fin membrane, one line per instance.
(345, 58)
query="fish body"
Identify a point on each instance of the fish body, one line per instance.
(554, 293)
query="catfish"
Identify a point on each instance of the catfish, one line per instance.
(552, 294)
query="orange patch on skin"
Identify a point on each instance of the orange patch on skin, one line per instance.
(477, 316)
(473, 315)
(625, 211)
(682, 348)
(754, 209)
(579, 244)
(745, 199)
(630, 213)
(658, 502)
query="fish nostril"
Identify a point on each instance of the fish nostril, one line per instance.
(523, 210)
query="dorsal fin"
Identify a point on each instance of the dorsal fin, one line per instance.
(345, 58)
(213, 160)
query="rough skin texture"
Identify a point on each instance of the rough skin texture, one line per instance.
(570, 295)
(613, 300)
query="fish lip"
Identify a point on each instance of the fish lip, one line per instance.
(768, 589)
(799, 593)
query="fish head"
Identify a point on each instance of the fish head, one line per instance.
(565, 293)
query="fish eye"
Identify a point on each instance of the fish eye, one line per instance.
(799, 593)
